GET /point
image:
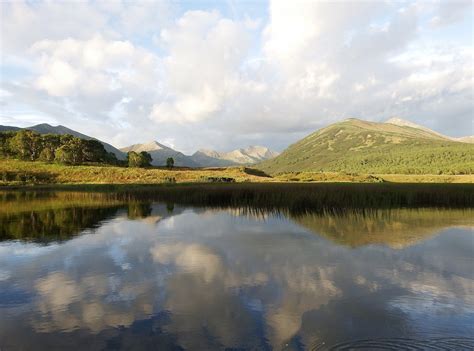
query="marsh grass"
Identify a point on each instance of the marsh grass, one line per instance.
(293, 197)
(298, 198)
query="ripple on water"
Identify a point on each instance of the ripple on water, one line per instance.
(446, 343)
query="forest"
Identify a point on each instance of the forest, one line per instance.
(65, 149)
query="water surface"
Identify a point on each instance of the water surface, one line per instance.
(84, 271)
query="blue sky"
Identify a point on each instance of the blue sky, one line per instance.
(227, 74)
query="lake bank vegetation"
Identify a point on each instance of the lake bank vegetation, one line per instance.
(292, 197)
(25, 173)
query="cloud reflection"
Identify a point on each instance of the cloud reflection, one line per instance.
(214, 280)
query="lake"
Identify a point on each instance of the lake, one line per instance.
(91, 271)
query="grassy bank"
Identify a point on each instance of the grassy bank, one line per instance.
(15, 172)
(18, 173)
(372, 178)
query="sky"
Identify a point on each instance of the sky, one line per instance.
(228, 74)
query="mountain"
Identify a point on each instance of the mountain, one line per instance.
(404, 123)
(210, 158)
(203, 158)
(357, 146)
(466, 139)
(248, 156)
(9, 129)
(45, 128)
(160, 153)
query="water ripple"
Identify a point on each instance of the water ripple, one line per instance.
(447, 343)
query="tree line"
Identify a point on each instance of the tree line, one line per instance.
(66, 149)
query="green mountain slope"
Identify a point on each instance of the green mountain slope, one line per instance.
(368, 147)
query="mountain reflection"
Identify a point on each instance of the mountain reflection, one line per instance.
(396, 228)
(167, 277)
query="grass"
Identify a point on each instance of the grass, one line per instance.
(15, 172)
(19, 173)
(375, 178)
(318, 197)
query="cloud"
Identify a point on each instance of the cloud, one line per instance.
(129, 72)
(24, 23)
(203, 65)
(450, 12)
(92, 67)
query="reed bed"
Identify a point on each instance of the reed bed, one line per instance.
(295, 197)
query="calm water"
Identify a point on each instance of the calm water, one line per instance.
(81, 272)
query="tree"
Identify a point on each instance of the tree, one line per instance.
(5, 149)
(64, 154)
(50, 143)
(29, 145)
(70, 150)
(146, 159)
(111, 159)
(76, 148)
(170, 162)
(26, 144)
(133, 159)
(93, 151)
(47, 155)
(142, 159)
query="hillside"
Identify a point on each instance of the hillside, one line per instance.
(369, 147)
(45, 128)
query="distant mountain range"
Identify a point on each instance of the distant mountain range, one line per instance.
(160, 152)
(203, 158)
(250, 155)
(396, 146)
